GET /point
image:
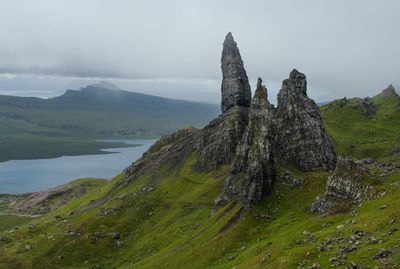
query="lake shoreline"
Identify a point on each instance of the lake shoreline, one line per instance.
(21, 149)
(35, 175)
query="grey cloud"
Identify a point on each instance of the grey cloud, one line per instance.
(172, 48)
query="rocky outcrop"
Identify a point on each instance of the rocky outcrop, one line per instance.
(349, 183)
(168, 152)
(289, 179)
(252, 170)
(301, 138)
(217, 142)
(247, 135)
(389, 92)
(235, 86)
(369, 109)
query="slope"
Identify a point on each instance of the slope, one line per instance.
(166, 218)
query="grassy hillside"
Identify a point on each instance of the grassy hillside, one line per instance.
(361, 136)
(40, 128)
(166, 218)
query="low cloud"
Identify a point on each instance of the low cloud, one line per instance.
(172, 48)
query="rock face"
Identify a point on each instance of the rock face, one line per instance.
(301, 135)
(347, 184)
(235, 86)
(217, 142)
(169, 151)
(252, 170)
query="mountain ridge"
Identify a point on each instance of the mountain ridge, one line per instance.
(88, 114)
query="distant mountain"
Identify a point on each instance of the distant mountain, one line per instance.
(100, 110)
(104, 110)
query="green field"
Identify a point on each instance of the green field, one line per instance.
(176, 225)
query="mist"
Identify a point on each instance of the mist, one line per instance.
(172, 48)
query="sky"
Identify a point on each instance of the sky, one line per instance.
(173, 48)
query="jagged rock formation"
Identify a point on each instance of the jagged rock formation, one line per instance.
(248, 138)
(217, 142)
(301, 135)
(389, 92)
(349, 183)
(368, 107)
(235, 86)
(252, 170)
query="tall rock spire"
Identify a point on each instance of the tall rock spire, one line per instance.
(301, 135)
(235, 86)
(252, 170)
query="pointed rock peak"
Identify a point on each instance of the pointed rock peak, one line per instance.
(299, 124)
(235, 86)
(389, 91)
(230, 45)
(261, 91)
(295, 74)
(229, 39)
(259, 83)
(297, 82)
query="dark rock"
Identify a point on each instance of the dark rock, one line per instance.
(382, 253)
(235, 86)
(373, 240)
(346, 184)
(389, 92)
(252, 170)
(301, 135)
(217, 142)
(289, 179)
(115, 235)
(368, 107)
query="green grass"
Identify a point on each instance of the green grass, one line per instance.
(174, 226)
(10, 221)
(362, 137)
(177, 226)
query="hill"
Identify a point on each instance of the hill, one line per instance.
(37, 128)
(258, 187)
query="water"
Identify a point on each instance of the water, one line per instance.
(21, 176)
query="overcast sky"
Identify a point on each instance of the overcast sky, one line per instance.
(173, 48)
